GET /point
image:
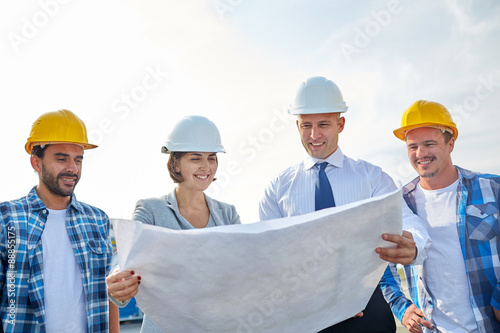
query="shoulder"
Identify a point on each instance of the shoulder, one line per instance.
(90, 211)
(361, 165)
(17, 208)
(219, 204)
(288, 174)
(152, 202)
(474, 176)
(480, 182)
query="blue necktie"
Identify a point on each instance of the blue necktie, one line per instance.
(323, 193)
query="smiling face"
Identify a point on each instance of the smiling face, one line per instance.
(197, 169)
(430, 156)
(59, 170)
(320, 133)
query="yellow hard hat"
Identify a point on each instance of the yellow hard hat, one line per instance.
(61, 126)
(426, 114)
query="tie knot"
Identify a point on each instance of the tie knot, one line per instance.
(321, 166)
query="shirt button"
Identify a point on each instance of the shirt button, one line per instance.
(99, 249)
(30, 247)
(44, 211)
(41, 224)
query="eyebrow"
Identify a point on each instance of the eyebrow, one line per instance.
(67, 155)
(423, 142)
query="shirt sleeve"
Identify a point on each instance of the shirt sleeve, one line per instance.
(115, 265)
(235, 217)
(411, 222)
(268, 206)
(391, 288)
(142, 213)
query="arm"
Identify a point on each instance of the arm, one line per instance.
(142, 213)
(268, 206)
(412, 246)
(413, 224)
(235, 218)
(408, 314)
(114, 318)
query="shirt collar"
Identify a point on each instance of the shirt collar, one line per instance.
(36, 203)
(336, 159)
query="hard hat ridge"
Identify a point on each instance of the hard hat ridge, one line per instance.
(424, 113)
(194, 134)
(318, 95)
(61, 126)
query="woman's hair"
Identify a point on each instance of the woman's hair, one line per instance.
(175, 156)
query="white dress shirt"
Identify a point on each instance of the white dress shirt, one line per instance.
(292, 192)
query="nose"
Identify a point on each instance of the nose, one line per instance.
(315, 133)
(73, 167)
(421, 152)
(204, 165)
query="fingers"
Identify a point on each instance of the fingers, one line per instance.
(118, 275)
(404, 252)
(413, 319)
(123, 285)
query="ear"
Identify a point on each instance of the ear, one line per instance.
(341, 123)
(451, 144)
(36, 163)
(297, 123)
(176, 165)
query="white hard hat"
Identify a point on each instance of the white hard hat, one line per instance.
(318, 95)
(194, 134)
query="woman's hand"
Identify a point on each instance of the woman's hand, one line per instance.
(123, 285)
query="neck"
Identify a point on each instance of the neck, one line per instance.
(51, 200)
(444, 179)
(187, 197)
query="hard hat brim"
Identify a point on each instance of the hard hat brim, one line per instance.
(400, 133)
(190, 149)
(296, 111)
(29, 145)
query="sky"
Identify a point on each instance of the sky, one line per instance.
(131, 69)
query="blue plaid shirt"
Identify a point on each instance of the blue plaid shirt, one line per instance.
(477, 223)
(21, 277)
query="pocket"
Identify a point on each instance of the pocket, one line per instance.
(97, 246)
(482, 221)
(99, 258)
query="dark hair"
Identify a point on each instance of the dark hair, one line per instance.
(39, 151)
(175, 156)
(447, 136)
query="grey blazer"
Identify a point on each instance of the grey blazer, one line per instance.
(164, 212)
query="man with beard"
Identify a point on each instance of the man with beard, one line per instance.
(457, 288)
(55, 251)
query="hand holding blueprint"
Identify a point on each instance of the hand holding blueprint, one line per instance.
(298, 274)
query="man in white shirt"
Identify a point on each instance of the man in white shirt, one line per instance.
(318, 106)
(457, 288)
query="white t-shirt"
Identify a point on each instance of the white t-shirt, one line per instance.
(444, 268)
(65, 306)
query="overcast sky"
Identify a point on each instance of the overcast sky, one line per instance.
(130, 69)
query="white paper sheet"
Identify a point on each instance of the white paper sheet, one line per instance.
(298, 274)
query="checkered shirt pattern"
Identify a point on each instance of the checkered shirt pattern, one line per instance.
(21, 276)
(478, 226)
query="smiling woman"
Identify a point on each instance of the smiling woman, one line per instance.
(192, 145)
